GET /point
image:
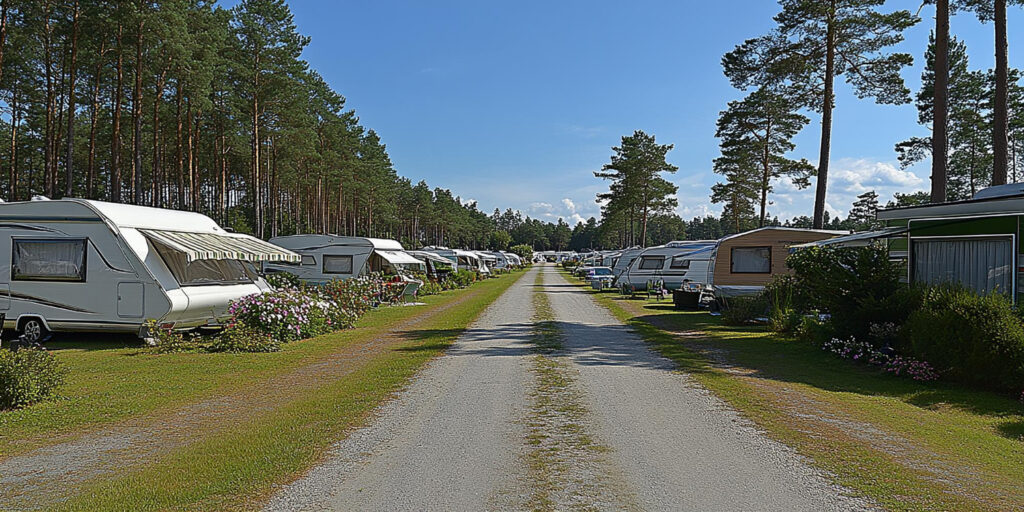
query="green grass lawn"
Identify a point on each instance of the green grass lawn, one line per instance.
(906, 444)
(234, 467)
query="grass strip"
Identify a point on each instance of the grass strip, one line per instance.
(908, 445)
(239, 467)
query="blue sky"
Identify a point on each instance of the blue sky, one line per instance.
(515, 104)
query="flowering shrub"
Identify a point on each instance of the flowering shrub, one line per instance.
(288, 315)
(895, 364)
(283, 280)
(242, 338)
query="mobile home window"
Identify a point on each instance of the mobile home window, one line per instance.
(984, 265)
(751, 260)
(651, 263)
(48, 260)
(679, 263)
(308, 260)
(337, 264)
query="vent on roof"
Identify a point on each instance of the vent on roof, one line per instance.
(1008, 190)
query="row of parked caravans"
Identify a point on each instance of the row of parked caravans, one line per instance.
(739, 264)
(81, 265)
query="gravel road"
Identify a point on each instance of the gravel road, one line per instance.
(451, 441)
(455, 439)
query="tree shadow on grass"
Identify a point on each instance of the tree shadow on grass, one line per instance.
(1013, 429)
(766, 355)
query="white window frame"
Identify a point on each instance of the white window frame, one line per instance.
(83, 273)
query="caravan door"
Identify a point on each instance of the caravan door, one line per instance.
(130, 299)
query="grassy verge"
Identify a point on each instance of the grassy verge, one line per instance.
(235, 467)
(905, 444)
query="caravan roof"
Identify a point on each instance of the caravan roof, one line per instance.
(319, 241)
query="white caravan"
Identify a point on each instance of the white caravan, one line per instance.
(329, 257)
(624, 260)
(79, 265)
(438, 267)
(463, 260)
(682, 265)
(501, 261)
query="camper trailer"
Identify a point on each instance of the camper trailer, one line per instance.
(747, 261)
(438, 267)
(328, 257)
(463, 260)
(501, 261)
(623, 261)
(80, 265)
(675, 264)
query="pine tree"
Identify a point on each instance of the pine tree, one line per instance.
(862, 214)
(816, 41)
(756, 134)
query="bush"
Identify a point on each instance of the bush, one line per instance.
(974, 339)
(855, 285)
(283, 280)
(744, 310)
(289, 315)
(29, 376)
(523, 251)
(168, 341)
(430, 288)
(464, 278)
(784, 301)
(241, 338)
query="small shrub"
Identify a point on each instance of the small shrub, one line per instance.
(464, 278)
(29, 376)
(813, 331)
(241, 338)
(430, 288)
(168, 341)
(744, 310)
(975, 339)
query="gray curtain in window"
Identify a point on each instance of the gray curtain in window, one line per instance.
(982, 265)
(757, 260)
(49, 259)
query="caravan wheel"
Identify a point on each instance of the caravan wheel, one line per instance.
(33, 330)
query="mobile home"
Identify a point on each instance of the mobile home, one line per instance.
(976, 243)
(463, 260)
(674, 264)
(80, 265)
(328, 257)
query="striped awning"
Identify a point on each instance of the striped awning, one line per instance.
(398, 257)
(214, 246)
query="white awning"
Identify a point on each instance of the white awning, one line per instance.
(398, 257)
(432, 257)
(214, 246)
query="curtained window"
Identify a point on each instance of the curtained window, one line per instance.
(679, 262)
(48, 260)
(337, 264)
(751, 260)
(984, 265)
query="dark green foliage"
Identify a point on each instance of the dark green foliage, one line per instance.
(853, 285)
(973, 339)
(28, 376)
(283, 280)
(240, 338)
(744, 310)
(464, 278)
(785, 303)
(523, 251)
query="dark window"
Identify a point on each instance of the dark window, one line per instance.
(308, 260)
(679, 263)
(652, 263)
(48, 260)
(335, 264)
(751, 260)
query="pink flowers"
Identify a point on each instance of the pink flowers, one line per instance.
(892, 363)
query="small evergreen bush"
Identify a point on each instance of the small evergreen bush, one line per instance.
(744, 310)
(29, 376)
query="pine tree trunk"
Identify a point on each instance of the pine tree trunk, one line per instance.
(48, 154)
(827, 103)
(137, 119)
(940, 139)
(1001, 108)
(90, 188)
(69, 167)
(158, 183)
(179, 199)
(12, 186)
(115, 137)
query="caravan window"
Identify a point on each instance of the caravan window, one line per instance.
(652, 263)
(203, 272)
(984, 265)
(308, 260)
(679, 263)
(48, 260)
(751, 260)
(337, 264)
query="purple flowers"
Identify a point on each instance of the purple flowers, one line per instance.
(892, 363)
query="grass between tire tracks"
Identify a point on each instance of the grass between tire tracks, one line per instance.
(238, 466)
(565, 464)
(907, 445)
